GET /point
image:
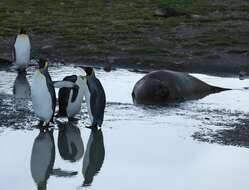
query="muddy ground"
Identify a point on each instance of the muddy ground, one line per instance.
(127, 34)
(235, 133)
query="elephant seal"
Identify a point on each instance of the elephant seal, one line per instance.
(165, 86)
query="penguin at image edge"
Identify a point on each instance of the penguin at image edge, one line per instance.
(21, 50)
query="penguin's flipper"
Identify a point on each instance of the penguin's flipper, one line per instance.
(64, 84)
(51, 90)
(73, 119)
(93, 103)
(63, 101)
(92, 127)
(75, 94)
(100, 103)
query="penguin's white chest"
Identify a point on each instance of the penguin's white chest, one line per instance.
(41, 98)
(74, 107)
(22, 51)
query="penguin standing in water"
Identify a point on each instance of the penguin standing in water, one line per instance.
(21, 50)
(43, 92)
(95, 98)
(70, 100)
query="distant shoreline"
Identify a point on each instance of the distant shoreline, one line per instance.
(128, 35)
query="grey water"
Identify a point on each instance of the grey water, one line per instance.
(138, 147)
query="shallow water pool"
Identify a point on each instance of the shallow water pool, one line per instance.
(138, 148)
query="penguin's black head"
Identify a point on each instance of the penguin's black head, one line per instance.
(89, 71)
(43, 63)
(23, 31)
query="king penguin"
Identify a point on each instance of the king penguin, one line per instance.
(70, 100)
(21, 50)
(43, 93)
(95, 98)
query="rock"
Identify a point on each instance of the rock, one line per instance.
(107, 68)
(46, 47)
(242, 75)
(166, 11)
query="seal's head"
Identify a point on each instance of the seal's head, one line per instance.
(150, 92)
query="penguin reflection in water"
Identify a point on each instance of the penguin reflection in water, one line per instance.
(21, 50)
(43, 92)
(94, 156)
(21, 92)
(42, 158)
(70, 143)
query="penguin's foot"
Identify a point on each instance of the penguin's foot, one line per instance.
(44, 129)
(40, 124)
(57, 115)
(52, 121)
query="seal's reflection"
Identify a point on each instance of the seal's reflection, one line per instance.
(21, 91)
(70, 143)
(42, 158)
(94, 156)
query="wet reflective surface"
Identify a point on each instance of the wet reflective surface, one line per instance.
(138, 147)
